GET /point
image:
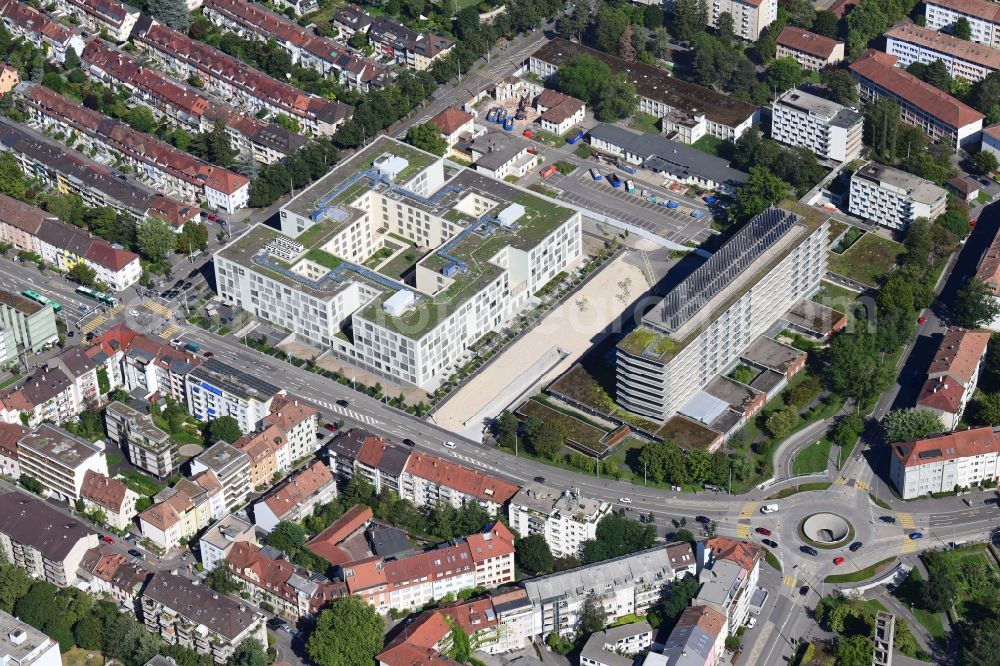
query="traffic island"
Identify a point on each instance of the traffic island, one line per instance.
(826, 530)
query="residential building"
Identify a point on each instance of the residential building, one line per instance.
(374, 458)
(9, 78)
(38, 29)
(471, 286)
(730, 574)
(180, 174)
(500, 154)
(687, 111)
(46, 395)
(111, 497)
(23, 645)
(913, 43)
(33, 325)
(943, 117)
(953, 374)
(296, 497)
(428, 480)
(144, 364)
(267, 451)
(988, 270)
(268, 576)
(84, 366)
(218, 541)
(231, 467)
(68, 171)
(966, 189)
(115, 17)
(326, 544)
(983, 18)
(147, 447)
(827, 129)
(991, 140)
(750, 17)
(559, 112)
(182, 511)
(698, 638)
(617, 646)
(813, 52)
(566, 520)
(702, 326)
(297, 422)
(675, 161)
(194, 616)
(109, 573)
(942, 463)
(10, 434)
(894, 198)
(454, 123)
(185, 106)
(418, 51)
(42, 540)
(60, 460)
(625, 585)
(216, 389)
(305, 48)
(229, 79)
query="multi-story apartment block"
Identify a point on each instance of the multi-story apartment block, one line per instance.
(167, 168)
(146, 364)
(894, 198)
(108, 572)
(953, 374)
(392, 39)
(229, 79)
(428, 480)
(983, 18)
(750, 17)
(218, 541)
(988, 270)
(270, 578)
(32, 325)
(811, 51)
(231, 467)
(831, 131)
(267, 451)
(943, 117)
(38, 29)
(83, 366)
(615, 645)
(705, 322)
(60, 460)
(216, 389)
(496, 245)
(23, 645)
(624, 585)
(698, 638)
(185, 106)
(687, 111)
(913, 43)
(111, 497)
(373, 458)
(305, 48)
(42, 540)
(182, 511)
(148, 447)
(47, 395)
(68, 171)
(944, 462)
(115, 18)
(327, 543)
(732, 571)
(194, 616)
(297, 421)
(296, 497)
(10, 434)
(566, 519)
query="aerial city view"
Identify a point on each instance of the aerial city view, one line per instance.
(487, 332)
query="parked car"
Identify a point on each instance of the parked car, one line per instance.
(330, 427)
(208, 354)
(763, 530)
(704, 520)
(991, 500)
(106, 539)
(855, 547)
(135, 553)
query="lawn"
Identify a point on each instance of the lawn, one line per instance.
(813, 458)
(80, 657)
(801, 488)
(868, 260)
(976, 579)
(908, 592)
(645, 122)
(984, 197)
(575, 429)
(10, 380)
(770, 559)
(714, 146)
(863, 574)
(141, 483)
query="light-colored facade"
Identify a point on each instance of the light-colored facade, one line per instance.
(115, 17)
(296, 497)
(53, 39)
(813, 52)
(59, 460)
(23, 645)
(945, 462)
(269, 578)
(912, 43)
(147, 447)
(698, 639)
(33, 326)
(983, 17)
(827, 129)
(566, 520)
(730, 575)
(463, 290)
(182, 511)
(216, 389)
(232, 469)
(297, 422)
(111, 497)
(894, 198)
(701, 327)
(216, 543)
(953, 375)
(750, 17)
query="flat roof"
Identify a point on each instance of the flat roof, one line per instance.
(771, 354)
(234, 381)
(918, 189)
(833, 113)
(18, 640)
(814, 317)
(56, 444)
(687, 433)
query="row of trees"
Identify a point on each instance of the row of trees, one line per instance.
(611, 96)
(666, 462)
(906, 146)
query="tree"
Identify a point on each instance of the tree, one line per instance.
(36, 607)
(980, 642)
(678, 596)
(222, 581)
(286, 536)
(663, 461)
(962, 29)
(30, 483)
(155, 239)
(225, 429)
(533, 554)
(937, 75)
(985, 162)
(505, 429)
(608, 29)
(840, 86)
(82, 273)
(583, 77)
(938, 593)
(854, 651)
(688, 19)
(986, 409)
(854, 367)
(218, 148)
(699, 464)
(88, 633)
(548, 440)
(848, 429)
(760, 190)
(683, 536)
(913, 423)
(427, 137)
(140, 118)
(100, 221)
(128, 641)
(800, 12)
(975, 305)
(11, 177)
(826, 23)
(248, 653)
(616, 100)
(593, 617)
(783, 74)
(348, 633)
(616, 536)
(172, 13)
(14, 584)
(725, 25)
(194, 237)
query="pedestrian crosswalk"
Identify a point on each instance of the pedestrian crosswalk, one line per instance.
(170, 331)
(841, 480)
(347, 412)
(748, 509)
(115, 310)
(862, 485)
(743, 530)
(906, 520)
(789, 580)
(909, 545)
(158, 308)
(96, 322)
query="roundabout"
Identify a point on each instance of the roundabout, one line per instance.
(826, 530)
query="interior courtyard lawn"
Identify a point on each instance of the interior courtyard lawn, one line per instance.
(869, 260)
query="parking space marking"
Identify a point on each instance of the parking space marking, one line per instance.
(94, 323)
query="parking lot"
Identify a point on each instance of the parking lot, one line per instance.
(673, 224)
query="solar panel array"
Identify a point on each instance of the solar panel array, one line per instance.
(724, 266)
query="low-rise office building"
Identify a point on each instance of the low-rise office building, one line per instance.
(32, 325)
(825, 128)
(813, 52)
(913, 43)
(23, 645)
(147, 446)
(218, 540)
(983, 17)
(216, 389)
(231, 467)
(60, 461)
(114, 17)
(942, 463)
(566, 520)
(894, 198)
(953, 374)
(296, 497)
(111, 497)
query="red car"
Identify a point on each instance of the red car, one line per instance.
(921, 320)
(330, 427)
(763, 530)
(838, 561)
(107, 539)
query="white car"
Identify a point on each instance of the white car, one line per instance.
(625, 500)
(133, 313)
(175, 341)
(449, 445)
(752, 622)
(769, 508)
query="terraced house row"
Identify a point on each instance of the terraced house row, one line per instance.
(229, 79)
(116, 18)
(183, 175)
(392, 39)
(36, 28)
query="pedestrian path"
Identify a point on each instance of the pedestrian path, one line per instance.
(96, 322)
(158, 308)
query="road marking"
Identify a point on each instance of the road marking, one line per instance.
(473, 461)
(748, 509)
(789, 581)
(862, 485)
(170, 331)
(906, 520)
(158, 308)
(841, 480)
(349, 413)
(96, 322)
(743, 530)
(115, 310)
(909, 545)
